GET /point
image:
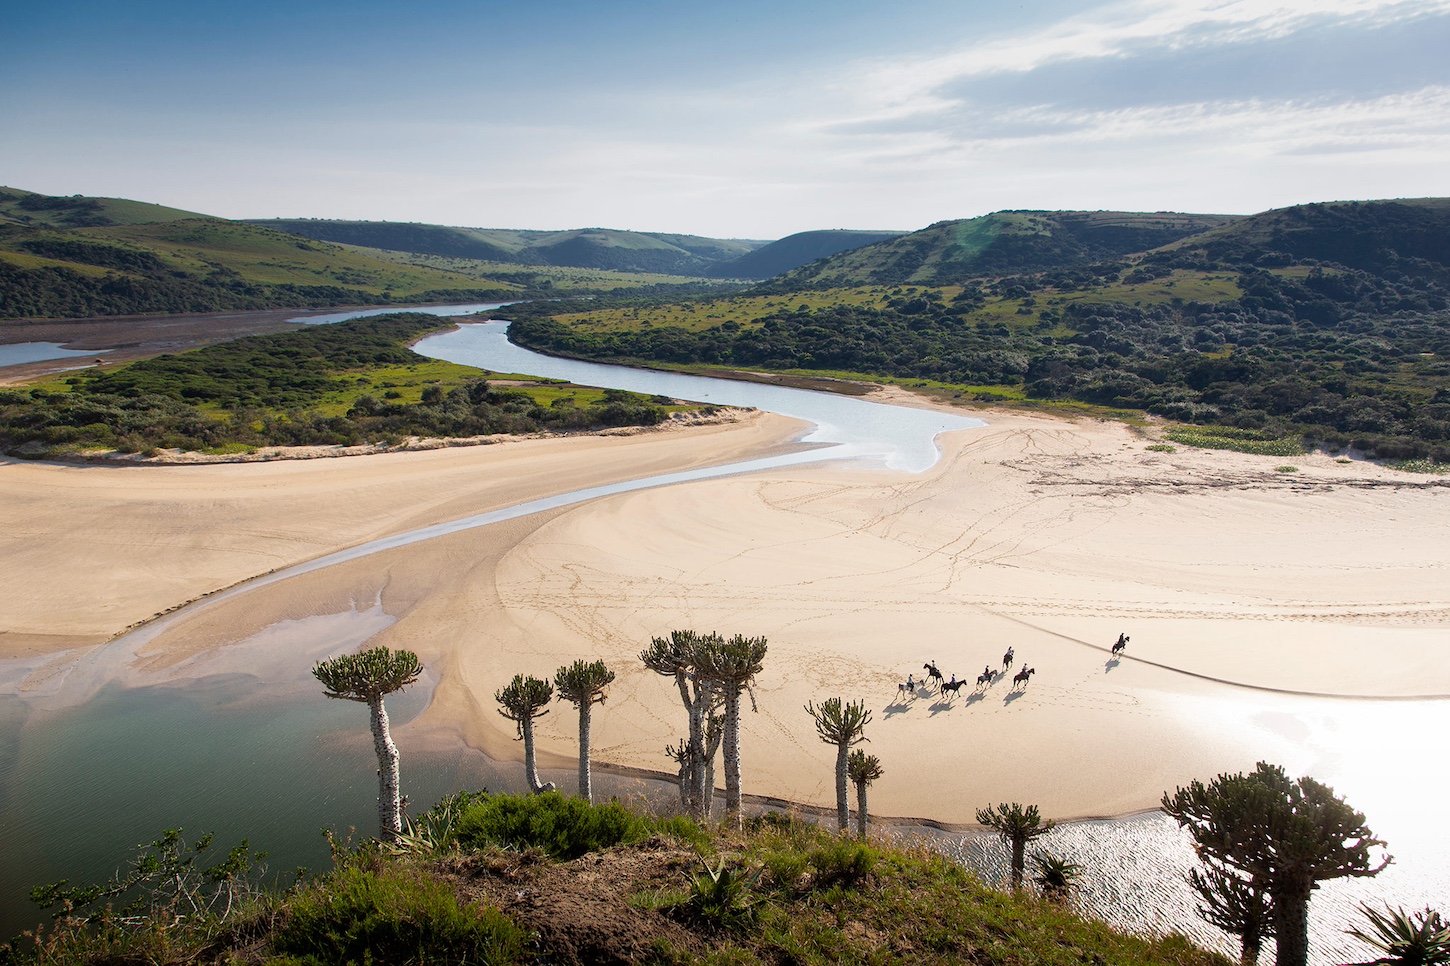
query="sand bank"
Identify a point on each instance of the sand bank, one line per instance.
(1233, 579)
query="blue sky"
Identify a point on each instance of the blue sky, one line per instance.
(744, 119)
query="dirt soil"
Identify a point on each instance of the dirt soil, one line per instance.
(580, 911)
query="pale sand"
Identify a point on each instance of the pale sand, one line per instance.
(1047, 535)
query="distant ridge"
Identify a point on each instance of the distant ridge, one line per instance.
(794, 251)
(599, 248)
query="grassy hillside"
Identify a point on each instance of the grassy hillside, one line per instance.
(1002, 243)
(19, 207)
(594, 248)
(499, 879)
(1239, 326)
(796, 250)
(89, 256)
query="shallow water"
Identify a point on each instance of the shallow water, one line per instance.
(238, 743)
(18, 353)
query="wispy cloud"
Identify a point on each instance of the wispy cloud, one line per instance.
(1121, 30)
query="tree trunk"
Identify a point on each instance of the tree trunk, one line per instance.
(390, 807)
(531, 766)
(732, 758)
(862, 820)
(695, 705)
(1019, 861)
(586, 785)
(1249, 952)
(843, 806)
(707, 798)
(1291, 920)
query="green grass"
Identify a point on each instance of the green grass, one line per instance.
(1237, 440)
(1161, 448)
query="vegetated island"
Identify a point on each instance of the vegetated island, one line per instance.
(341, 385)
(1321, 325)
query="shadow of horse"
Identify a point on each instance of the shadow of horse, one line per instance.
(973, 698)
(1011, 696)
(937, 707)
(1113, 662)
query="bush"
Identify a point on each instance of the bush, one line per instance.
(841, 861)
(390, 916)
(566, 828)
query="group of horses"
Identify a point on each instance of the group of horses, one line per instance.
(986, 679)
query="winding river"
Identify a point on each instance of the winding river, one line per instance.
(85, 759)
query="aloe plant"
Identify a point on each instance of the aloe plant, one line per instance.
(1414, 939)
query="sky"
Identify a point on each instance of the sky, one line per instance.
(748, 119)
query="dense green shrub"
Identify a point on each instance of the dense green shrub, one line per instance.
(357, 916)
(563, 827)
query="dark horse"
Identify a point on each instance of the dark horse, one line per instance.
(953, 687)
(932, 674)
(1007, 658)
(1020, 678)
(985, 677)
(1121, 645)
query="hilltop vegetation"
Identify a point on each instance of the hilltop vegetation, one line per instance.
(1327, 321)
(472, 888)
(330, 385)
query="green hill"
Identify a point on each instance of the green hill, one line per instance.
(74, 256)
(797, 250)
(596, 248)
(1321, 324)
(1002, 243)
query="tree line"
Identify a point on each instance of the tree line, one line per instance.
(1339, 356)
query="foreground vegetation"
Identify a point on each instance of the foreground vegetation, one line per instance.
(517, 879)
(334, 385)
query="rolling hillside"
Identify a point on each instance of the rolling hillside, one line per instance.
(1325, 323)
(1002, 243)
(597, 248)
(72, 256)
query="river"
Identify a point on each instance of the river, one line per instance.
(274, 763)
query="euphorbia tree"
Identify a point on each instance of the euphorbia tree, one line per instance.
(1017, 825)
(842, 724)
(1287, 835)
(678, 657)
(583, 684)
(522, 700)
(863, 770)
(366, 677)
(732, 666)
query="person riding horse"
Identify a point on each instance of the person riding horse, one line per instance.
(1007, 658)
(1121, 645)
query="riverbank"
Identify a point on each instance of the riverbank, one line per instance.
(1233, 580)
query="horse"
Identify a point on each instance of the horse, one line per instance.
(932, 674)
(1121, 645)
(985, 677)
(907, 687)
(1007, 658)
(954, 686)
(1020, 678)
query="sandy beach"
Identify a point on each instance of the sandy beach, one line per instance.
(1046, 535)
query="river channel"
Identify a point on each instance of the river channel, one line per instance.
(238, 744)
